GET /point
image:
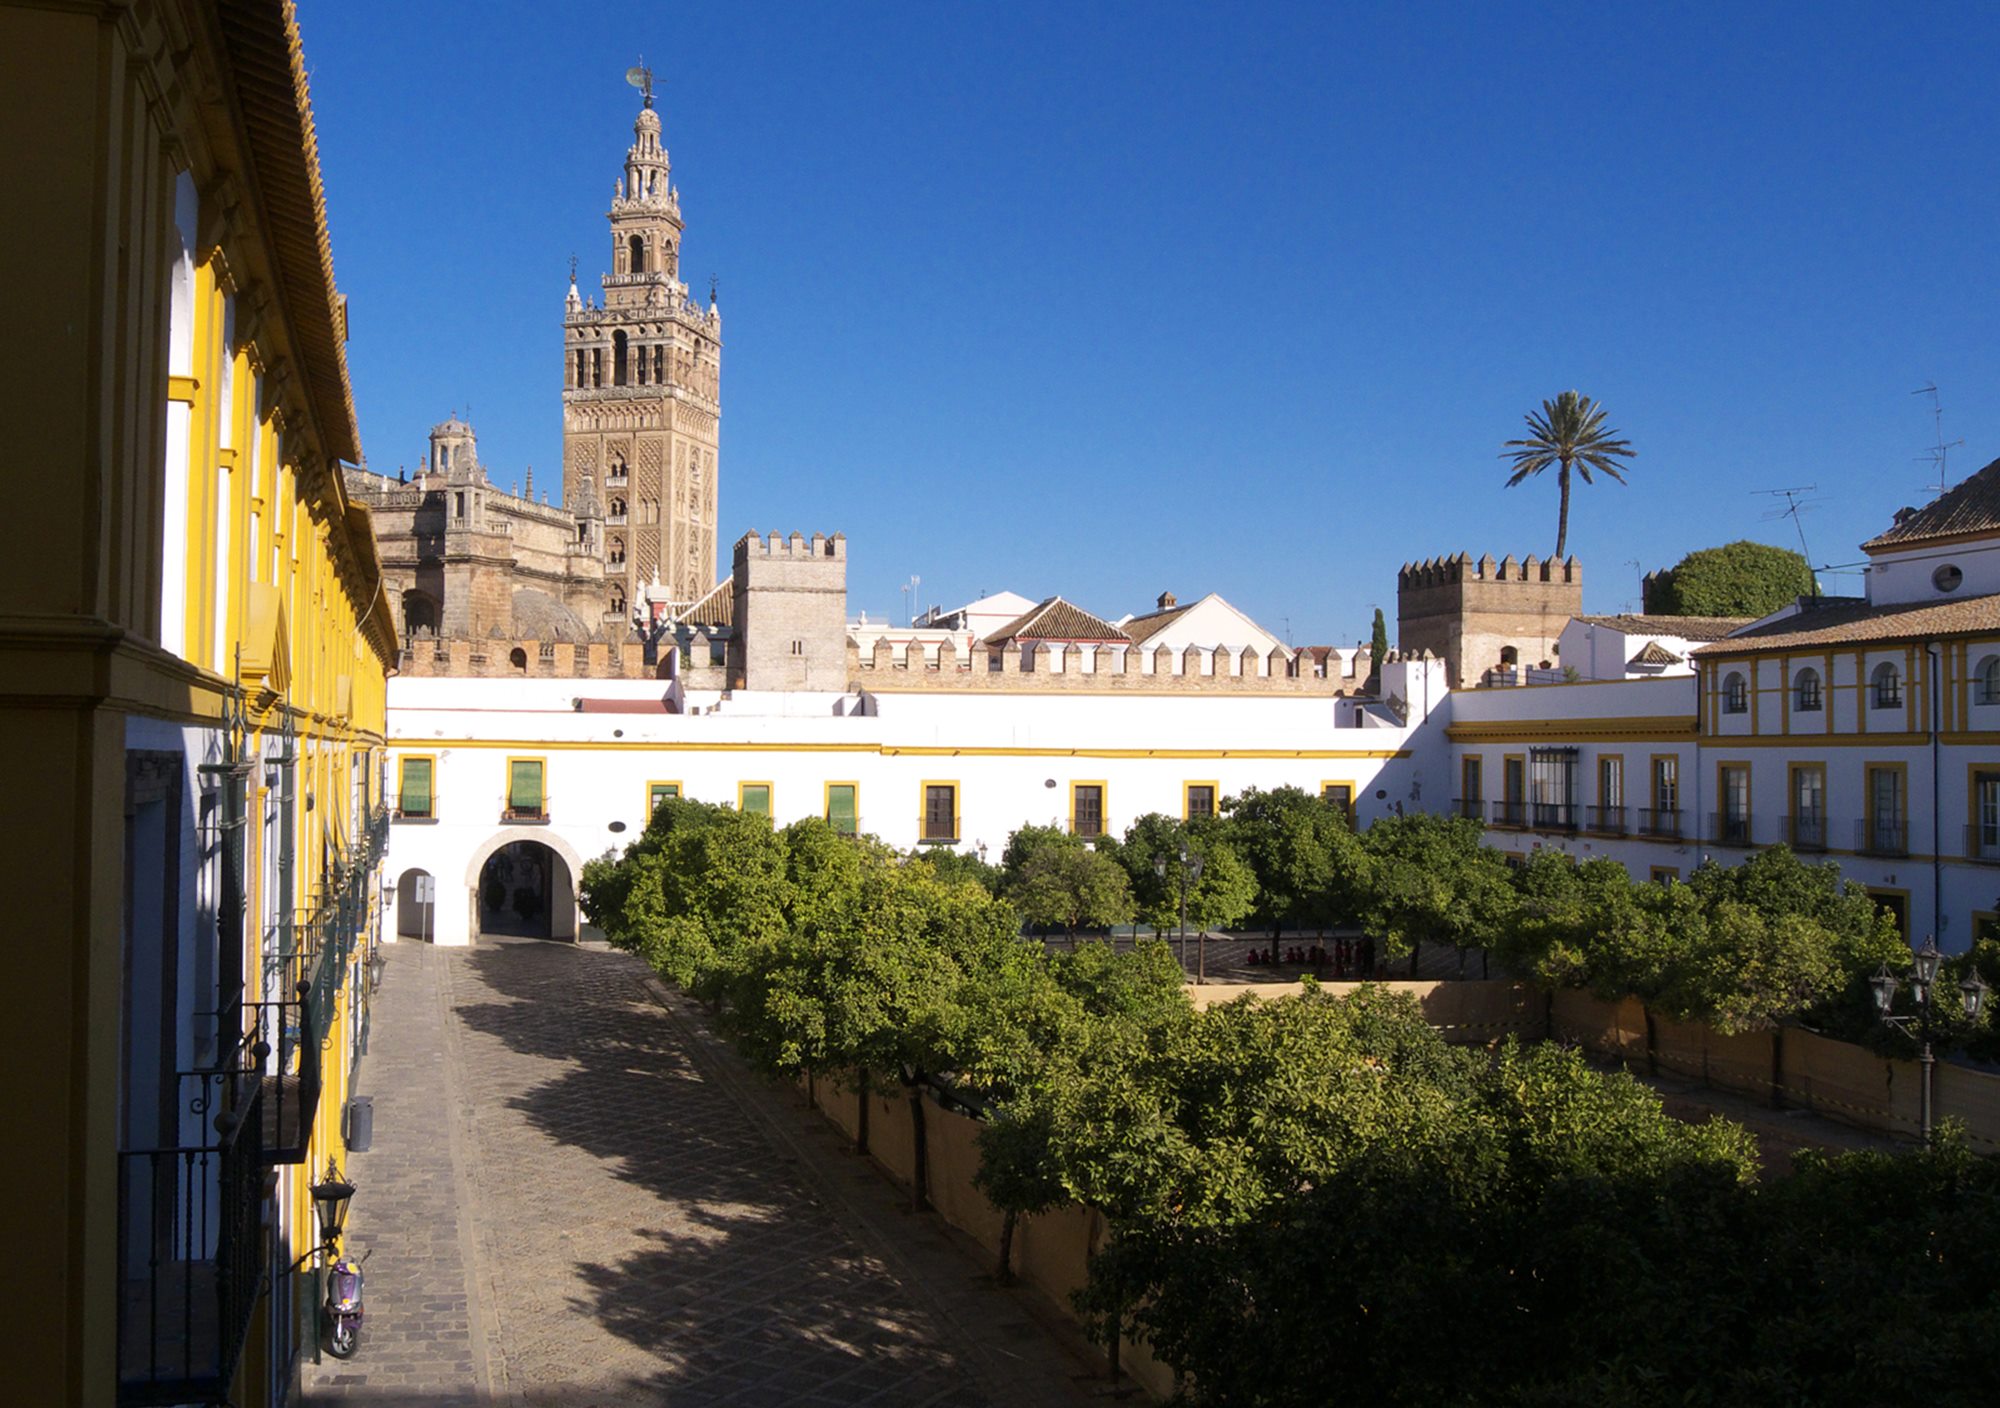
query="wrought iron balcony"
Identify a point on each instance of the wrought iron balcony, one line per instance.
(1982, 841)
(1471, 808)
(1729, 829)
(1512, 814)
(190, 1244)
(1606, 821)
(1660, 821)
(1806, 833)
(292, 1085)
(1552, 816)
(1882, 836)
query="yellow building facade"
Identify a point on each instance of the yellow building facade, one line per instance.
(194, 645)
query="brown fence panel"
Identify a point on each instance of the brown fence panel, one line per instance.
(954, 1157)
(1973, 1097)
(890, 1142)
(1846, 1082)
(1741, 1062)
(1612, 1028)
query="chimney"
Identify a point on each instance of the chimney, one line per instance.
(1166, 600)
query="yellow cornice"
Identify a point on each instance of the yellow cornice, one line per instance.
(1632, 730)
(889, 750)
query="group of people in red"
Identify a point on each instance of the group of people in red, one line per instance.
(1348, 958)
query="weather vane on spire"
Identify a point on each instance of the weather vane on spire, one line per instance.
(642, 79)
(572, 268)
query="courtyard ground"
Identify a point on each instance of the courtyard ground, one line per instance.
(578, 1196)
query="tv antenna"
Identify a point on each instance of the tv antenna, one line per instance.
(910, 598)
(641, 77)
(1795, 507)
(1939, 453)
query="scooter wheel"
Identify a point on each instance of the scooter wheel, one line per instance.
(342, 1340)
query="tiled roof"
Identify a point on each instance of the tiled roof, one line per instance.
(1852, 622)
(715, 607)
(1679, 627)
(1654, 654)
(1144, 628)
(1056, 619)
(1972, 506)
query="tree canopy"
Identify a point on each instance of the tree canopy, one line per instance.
(1737, 579)
(1568, 432)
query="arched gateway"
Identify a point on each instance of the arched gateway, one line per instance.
(523, 882)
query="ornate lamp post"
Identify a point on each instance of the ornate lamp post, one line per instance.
(1189, 872)
(330, 1198)
(1923, 995)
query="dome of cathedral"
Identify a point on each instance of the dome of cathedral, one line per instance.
(539, 616)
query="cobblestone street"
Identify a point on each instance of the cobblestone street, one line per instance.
(578, 1196)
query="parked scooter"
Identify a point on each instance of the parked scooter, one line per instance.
(343, 1307)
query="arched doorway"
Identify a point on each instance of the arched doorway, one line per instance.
(525, 888)
(416, 906)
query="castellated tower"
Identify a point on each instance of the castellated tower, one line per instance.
(642, 390)
(790, 609)
(1486, 615)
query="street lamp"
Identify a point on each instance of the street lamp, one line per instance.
(1189, 872)
(1923, 995)
(330, 1198)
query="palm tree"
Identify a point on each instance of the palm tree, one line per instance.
(1568, 431)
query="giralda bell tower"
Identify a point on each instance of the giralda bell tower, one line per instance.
(642, 377)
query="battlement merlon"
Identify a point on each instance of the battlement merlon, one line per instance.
(1461, 569)
(795, 546)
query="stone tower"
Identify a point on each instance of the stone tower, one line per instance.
(1486, 616)
(642, 382)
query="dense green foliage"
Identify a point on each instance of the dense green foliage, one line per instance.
(1317, 1200)
(1738, 579)
(1738, 947)
(1378, 648)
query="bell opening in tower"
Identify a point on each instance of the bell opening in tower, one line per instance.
(618, 359)
(636, 254)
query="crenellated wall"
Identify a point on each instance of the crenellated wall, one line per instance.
(1486, 615)
(1084, 669)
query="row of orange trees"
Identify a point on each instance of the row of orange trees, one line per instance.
(1316, 1199)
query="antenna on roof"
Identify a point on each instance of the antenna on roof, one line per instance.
(1939, 453)
(1795, 506)
(910, 598)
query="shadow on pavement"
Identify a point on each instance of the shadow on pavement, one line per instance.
(734, 1280)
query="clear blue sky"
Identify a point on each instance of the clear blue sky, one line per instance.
(1109, 299)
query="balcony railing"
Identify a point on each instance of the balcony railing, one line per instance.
(1806, 833)
(540, 813)
(1660, 821)
(1729, 829)
(292, 1085)
(189, 1244)
(1471, 808)
(1606, 821)
(1982, 841)
(1882, 836)
(1552, 816)
(1512, 814)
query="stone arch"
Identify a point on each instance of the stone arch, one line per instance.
(416, 918)
(564, 919)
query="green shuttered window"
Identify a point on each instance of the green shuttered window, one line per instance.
(840, 807)
(524, 786)
(415, 796)
(756, 798)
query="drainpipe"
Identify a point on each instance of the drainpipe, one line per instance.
(1933, 687)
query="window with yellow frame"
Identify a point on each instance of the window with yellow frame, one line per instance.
(1200, 801)
(937, 819)
(527, 790)
(1087, 809)
(843, 807)
(416, 787)
(754, 798)
(1340, 792)
(658, 792)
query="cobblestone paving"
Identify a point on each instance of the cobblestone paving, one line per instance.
(578, 1199)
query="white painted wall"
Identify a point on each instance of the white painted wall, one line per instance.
(1906, 576)
(1012, 756)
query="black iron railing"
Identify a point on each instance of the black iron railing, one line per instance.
(189, 1243)
(1660, 821)
(1806, 833)
(1608, 821)
(1729, 829)
(1471, 808)
(1552, 816)
(1882, 836)
(292, 1085)
(1513, 814)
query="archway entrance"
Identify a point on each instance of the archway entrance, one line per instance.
(416, 906)
(525, 888)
